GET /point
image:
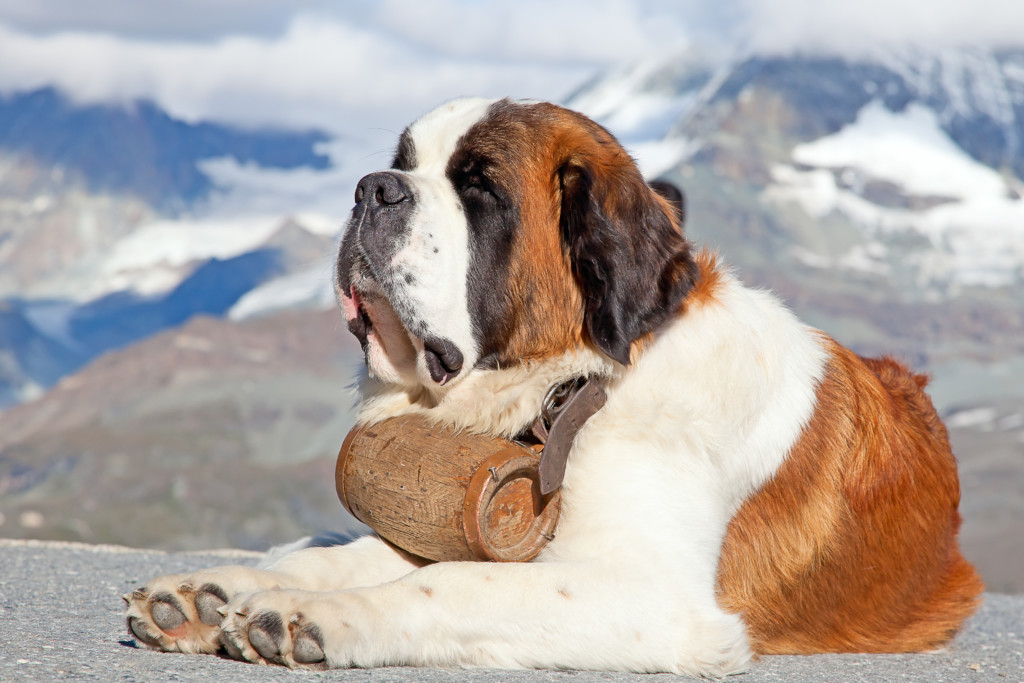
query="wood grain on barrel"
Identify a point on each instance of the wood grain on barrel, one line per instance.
(408, 480)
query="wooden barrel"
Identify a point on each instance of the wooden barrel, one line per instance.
(446, 495)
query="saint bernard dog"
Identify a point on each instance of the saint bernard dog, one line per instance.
(749, 487)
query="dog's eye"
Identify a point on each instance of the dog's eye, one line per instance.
(474, 185)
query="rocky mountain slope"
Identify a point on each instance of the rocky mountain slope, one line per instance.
(212, 434)
(110, 232)
(137, 149)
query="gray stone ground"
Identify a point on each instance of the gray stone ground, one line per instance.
(61, 619)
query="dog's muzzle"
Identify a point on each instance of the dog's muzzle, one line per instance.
(384, 203)
(380, 226)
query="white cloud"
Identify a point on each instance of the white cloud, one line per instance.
(332, 75)
(581, 32)
(853, 27)
(179, 20)
(362, 66)
(380, 69)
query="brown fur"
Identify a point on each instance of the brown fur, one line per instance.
(544, 302)
(708, 281)
(524, 150)
(851, 546)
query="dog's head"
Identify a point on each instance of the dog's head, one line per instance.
(505, 233)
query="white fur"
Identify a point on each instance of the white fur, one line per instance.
(703, 418)
(436, 254)
(705, 415)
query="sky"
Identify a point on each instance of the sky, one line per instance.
(339, 66)
(360, 66)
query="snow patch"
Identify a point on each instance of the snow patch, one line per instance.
(151, 260)
(156, 257)
(908, 149)
(973, 418)
(313, 288)
(975, 238)
(657, 156)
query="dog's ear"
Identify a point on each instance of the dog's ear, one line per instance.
(627, 251)
(674, 195)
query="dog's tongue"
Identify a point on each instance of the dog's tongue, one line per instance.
(350, 304)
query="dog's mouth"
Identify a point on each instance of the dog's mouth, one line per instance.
(373, 321)
(360, 323)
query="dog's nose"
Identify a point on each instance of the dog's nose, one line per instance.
(384, 205)
(382, 189)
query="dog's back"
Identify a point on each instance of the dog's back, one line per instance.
(852, 545)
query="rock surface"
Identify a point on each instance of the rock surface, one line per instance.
(61, 619)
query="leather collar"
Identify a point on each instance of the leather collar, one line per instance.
(566, 408)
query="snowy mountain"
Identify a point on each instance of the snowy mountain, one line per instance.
(117, 221)
(881, 195)
(137, 149)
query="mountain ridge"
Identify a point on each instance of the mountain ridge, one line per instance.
(137, 148)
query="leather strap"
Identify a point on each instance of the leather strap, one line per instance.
(566, 409)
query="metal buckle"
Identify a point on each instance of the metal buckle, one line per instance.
(556, 398)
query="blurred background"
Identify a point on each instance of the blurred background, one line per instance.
(174, 176)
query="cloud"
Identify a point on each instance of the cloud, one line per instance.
(390, 62)
(179, 20)
(360, 66)
(581, 32)
(325, 74)
(858, 27)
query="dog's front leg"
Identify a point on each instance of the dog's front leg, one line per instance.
(538, 615)
(182, 612)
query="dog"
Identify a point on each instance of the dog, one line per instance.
(749, 487)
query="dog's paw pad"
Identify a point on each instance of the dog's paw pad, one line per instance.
(270, 627)
(173, 616)
(266, 631)
(209, 600)
(166, 615)
(138, 629)
(307, 642)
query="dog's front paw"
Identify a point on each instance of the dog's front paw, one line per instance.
(175, 615)
(272, 627)
(183, 612)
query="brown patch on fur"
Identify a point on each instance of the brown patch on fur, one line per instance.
(851, 546)
(524, 150)
(543, 303)
(707, 282)
(548, 299)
